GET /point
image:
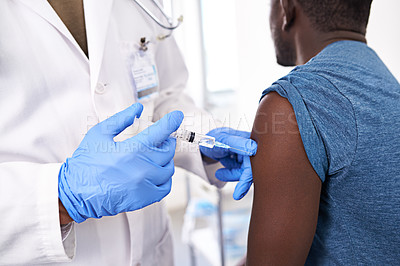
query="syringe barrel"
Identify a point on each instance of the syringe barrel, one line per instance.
(185, 135)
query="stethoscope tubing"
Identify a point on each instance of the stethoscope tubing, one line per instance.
(170, 27)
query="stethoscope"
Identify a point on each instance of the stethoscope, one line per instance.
(170, 26)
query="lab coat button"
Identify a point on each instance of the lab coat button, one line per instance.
(100, 88)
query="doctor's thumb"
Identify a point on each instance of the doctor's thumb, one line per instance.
(162, 129)
(117, 123)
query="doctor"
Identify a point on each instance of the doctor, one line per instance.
(53, 169)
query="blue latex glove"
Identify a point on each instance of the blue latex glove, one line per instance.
(104, 177)
(236, 162)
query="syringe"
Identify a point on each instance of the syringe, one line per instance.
(182, 134)
(189, 136)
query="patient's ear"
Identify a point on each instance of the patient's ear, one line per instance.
(289, 12)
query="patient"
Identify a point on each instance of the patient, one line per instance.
(327, 170)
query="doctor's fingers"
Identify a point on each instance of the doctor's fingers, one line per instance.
(165, 188)
(160, 155)
(243, 186)
(161, 175)
(229, 175)
(160, 131)
(160, 192)
(117, 123)
(239, 145)
(215, 153)
(239, 140)
(231, 163)
(229, 131)
(245, 180)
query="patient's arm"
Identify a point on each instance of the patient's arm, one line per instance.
(286, 189)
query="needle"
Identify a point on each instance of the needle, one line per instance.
(225, 146)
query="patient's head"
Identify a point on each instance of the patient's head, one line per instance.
(312, 18)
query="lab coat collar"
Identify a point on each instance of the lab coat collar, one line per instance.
(97, 16)
(44, 9)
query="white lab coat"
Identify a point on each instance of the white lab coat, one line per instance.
(50, 94)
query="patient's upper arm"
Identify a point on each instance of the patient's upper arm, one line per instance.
(286, 189)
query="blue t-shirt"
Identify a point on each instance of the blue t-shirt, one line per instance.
(347, 106)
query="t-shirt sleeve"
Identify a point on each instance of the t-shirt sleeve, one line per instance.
(325, 118)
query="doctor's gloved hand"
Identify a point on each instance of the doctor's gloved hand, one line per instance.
(236, 160)
(104, 177)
